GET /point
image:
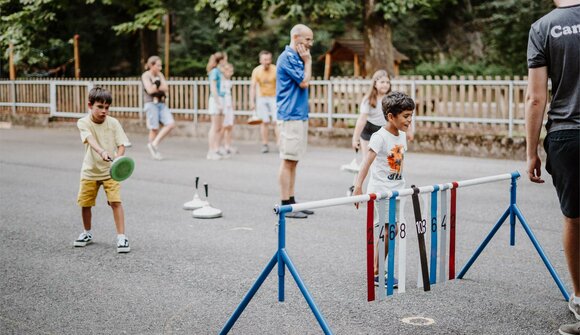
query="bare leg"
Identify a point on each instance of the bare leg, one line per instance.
(87, 217)
(215, 130)
(571, 241)
(119, 216)
(152, 134)
(286, 178)
(228, 136)
(264, 128)
(161, 134)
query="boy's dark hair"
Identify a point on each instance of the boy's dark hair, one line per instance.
(396, 103)
(99, 94)
(264, 52)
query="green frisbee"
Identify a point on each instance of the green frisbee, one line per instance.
(122, 168)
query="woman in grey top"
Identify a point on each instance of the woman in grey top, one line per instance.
(155, 93)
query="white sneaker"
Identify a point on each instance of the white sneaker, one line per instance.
(83, 240)
(213, 156)
(224, 153)
(154, 152)
(123, 245)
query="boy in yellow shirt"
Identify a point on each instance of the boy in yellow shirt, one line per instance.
(104, 140)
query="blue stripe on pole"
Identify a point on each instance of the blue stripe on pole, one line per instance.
(392, 239)
(434, 230)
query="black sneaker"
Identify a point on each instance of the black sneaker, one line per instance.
(123, 245)
(83, 240)
(297, 215)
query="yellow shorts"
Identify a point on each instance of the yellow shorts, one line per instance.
(89, 189)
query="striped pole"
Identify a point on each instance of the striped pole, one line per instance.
(443, 243)
(402, 246)
(452, 231)
(392, 235)
(421, 227)
(433, 267)
(370, 248)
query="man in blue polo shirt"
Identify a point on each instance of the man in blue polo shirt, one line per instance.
(293, 73)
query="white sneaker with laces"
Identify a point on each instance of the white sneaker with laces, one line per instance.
(123, 245)
(83, 240)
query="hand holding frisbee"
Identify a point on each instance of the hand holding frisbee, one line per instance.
(121, 168)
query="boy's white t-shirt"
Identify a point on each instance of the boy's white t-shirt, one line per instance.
(387, 168)
(375, 114)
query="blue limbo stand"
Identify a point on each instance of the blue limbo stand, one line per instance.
(282, 258)
(513, 211)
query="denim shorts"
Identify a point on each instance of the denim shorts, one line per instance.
(563, 163)
(156, 113)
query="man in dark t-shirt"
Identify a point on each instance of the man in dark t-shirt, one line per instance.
(554, 53)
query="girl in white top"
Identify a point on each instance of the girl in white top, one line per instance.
(371, 116)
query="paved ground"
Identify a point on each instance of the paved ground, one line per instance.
(186, 276)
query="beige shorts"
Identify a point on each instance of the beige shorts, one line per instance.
(293, 139)
(89, 189)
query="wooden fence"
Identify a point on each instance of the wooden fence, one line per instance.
(474, 104)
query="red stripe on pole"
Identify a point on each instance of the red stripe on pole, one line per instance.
(452, 231)
(370, 248)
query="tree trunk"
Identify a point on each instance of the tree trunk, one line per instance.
(378, 40)
(149, 45)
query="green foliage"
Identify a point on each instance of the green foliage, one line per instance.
(506, 24)
(149, 19)
(456, 67)
(23, 23)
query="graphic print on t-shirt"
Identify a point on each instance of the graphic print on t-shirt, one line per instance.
(395, 160)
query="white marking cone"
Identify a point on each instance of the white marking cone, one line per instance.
(206, 212)
(196, 202)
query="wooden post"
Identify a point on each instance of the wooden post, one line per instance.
(327, 65)
(11, 63)
(76, 55)
(167, 35)
(356, 66)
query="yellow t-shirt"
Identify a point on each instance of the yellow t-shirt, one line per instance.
(109, 135)
(266, 80)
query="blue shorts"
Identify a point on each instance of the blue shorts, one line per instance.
(563, 163)
(157, 113)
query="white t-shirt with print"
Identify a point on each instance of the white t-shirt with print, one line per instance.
(375, 114)
(387, 168)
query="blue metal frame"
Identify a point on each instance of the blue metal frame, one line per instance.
(513, 211)
(283, 260)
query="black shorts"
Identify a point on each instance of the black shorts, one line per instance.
(368, 130)
(563, 163)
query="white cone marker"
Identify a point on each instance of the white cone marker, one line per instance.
(196, 202)
(207, 212)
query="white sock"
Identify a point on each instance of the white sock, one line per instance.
(577, 300)
(121, 237)
(88, 232)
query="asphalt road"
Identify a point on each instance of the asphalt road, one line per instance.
(186, 275)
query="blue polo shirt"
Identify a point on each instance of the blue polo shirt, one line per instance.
(216, 74)
(291, 100)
